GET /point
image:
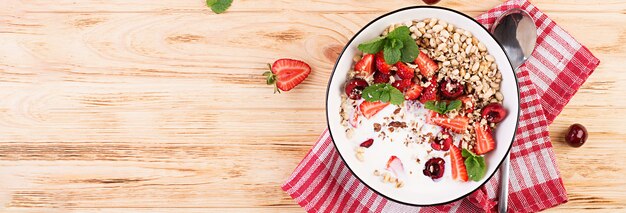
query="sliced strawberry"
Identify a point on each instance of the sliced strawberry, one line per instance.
(484, 139)
(380, 77)
(395, 165)
(381, 65)
(458, 166)
(404, 71)
(427, 66)
(364, 68)
(287, 74)
(402, 84)
(430, 93)
(468, 103)
(413, 92)
(369, 109)
(458, 124)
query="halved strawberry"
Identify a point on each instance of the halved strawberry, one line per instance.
(458, 124)
(404, 71)
(369, 109)
(468, 103)
(364, 68)
(430, 93)
(459, 172)
(484, 139)
(413, 92)
(395, 165)
(286, 74)
(381, 65)
(427, 66)
(402, 84)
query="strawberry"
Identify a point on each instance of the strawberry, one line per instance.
(286, 74)
(381, 65)
(484, 139)
(427, 66)
(430, 93)
(402, 84)
(404, 71)
(413, 92)
(458, 166)
(395, 165)
(458, 124)
(364, 68)
(468, 103)
(380, 77)
(369, 109)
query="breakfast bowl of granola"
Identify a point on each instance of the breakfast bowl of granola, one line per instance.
(422, 105)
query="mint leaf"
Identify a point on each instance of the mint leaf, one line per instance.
(442, 107)
(372, 93)
(383, 93)
(466, 153)
(431, 105)
(475, 165)
(453, 105)
(373, 46)
(397, 97)
(219, 6)
(410, 50)
(392, 56)
(394, 43)
(400, 33)
(385, 96)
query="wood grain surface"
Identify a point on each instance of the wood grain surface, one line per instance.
(160, 106)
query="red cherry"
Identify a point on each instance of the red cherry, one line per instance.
(451, 89)
(434, 168)
(442, 143)
(576, 135)
(355, 87)
(494, 112)
(431, 2)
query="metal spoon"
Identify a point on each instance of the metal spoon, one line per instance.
(517, 33)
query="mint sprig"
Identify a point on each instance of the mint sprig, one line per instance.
(442, 107)
(474, 164)
(396, 46)
(384, 93)
(219, 6)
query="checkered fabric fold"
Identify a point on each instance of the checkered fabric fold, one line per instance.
(547, 81)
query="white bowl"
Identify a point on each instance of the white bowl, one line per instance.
(422, 193)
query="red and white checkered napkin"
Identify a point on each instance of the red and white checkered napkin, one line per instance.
(547, 81)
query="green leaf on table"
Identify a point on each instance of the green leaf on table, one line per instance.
(219, 6)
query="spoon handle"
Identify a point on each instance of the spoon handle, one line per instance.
(504, 185)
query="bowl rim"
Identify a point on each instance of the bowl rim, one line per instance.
(332, 74)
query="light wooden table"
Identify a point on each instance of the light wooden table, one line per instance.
(150, 106)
